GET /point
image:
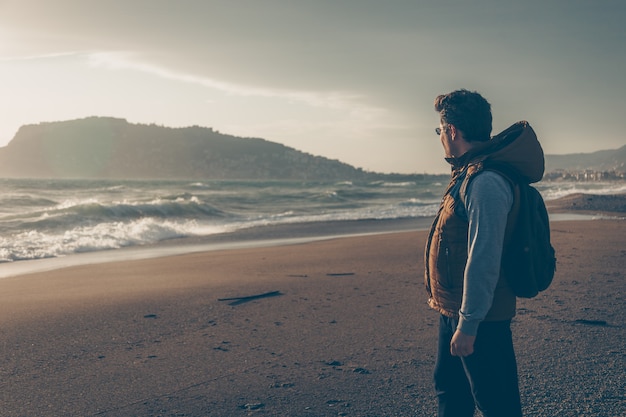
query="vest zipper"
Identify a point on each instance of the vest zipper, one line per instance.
(449, 277)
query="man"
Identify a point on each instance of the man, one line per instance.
(476, 366)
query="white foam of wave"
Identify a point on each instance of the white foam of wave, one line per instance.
(398, 184)
(36, 244)
(555, 190)
(76, 202)
(382, 212)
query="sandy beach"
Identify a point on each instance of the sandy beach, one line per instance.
(343, 330)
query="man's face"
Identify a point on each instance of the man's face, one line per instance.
(446, 140)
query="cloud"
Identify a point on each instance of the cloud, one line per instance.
(35, 57)
(337, 100)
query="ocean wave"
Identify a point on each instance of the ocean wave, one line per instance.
(42, 219)
(398, 184)
(37, 244)
(25, 201)
(49, 238)
(556, 189)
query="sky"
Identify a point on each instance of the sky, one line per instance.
(352, 80)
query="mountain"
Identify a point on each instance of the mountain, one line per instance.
(111, 148)
(102, 147)
(609, 160)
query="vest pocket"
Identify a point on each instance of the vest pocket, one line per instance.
(444, 268)
(451, 267)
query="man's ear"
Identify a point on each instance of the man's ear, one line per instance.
(453, 131)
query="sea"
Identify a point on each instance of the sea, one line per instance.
(51, 219)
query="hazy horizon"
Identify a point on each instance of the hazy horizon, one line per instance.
(352, 80)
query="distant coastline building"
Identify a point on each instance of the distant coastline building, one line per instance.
(584, 175)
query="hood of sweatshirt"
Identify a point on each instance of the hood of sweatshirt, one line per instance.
(516, 148)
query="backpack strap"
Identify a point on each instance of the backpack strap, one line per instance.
(470, 172)
(510, 176)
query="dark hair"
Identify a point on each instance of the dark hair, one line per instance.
(468, 111)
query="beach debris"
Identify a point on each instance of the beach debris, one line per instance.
(298, 275)
(282, 385)
(339, 403)
(340, 366)
(244, 299)
(339, 274)
(253, 406)
(222, 348)
(150, 316)
(592, 322)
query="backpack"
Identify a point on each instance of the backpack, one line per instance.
(528, 258)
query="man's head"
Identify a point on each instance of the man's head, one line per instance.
(468, 112)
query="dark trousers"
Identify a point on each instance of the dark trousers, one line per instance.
(487, 379)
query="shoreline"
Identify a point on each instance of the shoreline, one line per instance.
(254, 237)
(260, 236)
(578, 207)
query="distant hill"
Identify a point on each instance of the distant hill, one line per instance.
(101, 147)
(111, 148)
(609, 160)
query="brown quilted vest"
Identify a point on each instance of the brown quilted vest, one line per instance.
(446, 256)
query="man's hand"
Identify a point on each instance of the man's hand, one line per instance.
(462, 344)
